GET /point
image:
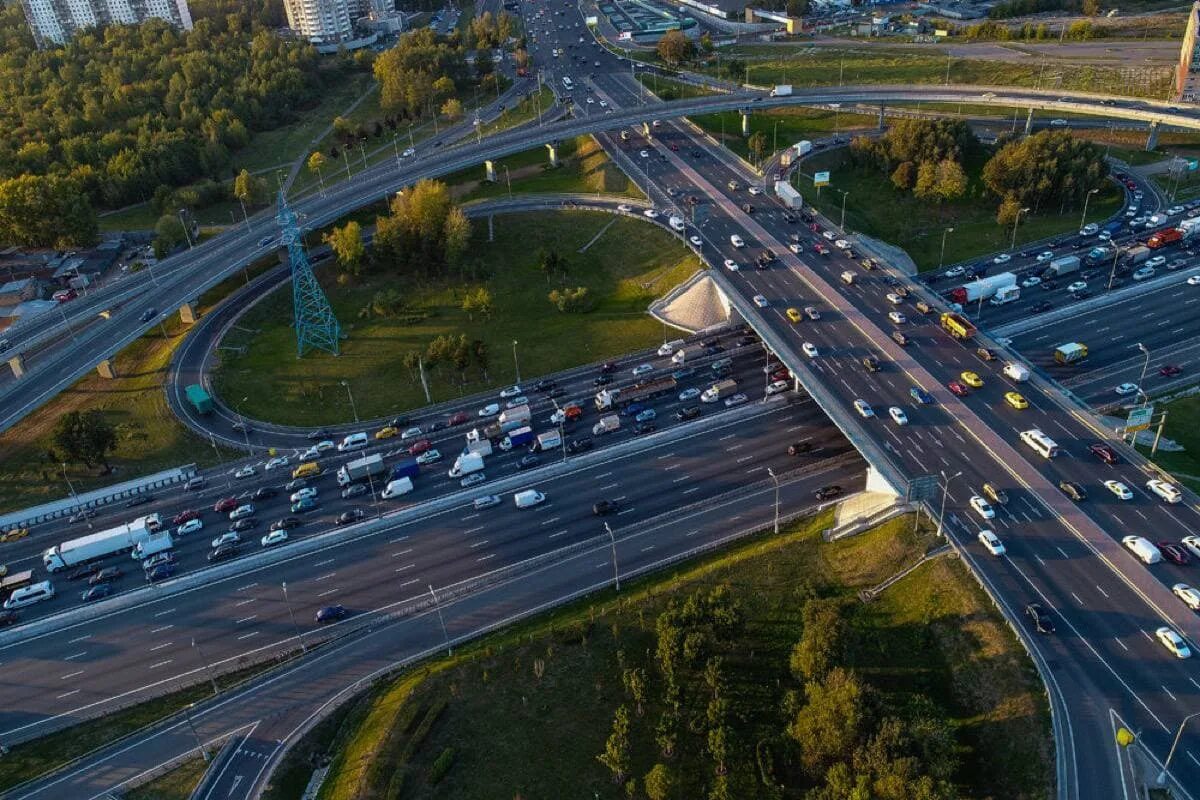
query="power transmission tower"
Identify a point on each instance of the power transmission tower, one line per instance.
(316, 326)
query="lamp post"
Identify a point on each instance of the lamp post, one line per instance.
(508, 180)
(242, 422)
(196, 736)
(292, 614)
(1145, 365)
(1016, 222)
(208, 667)
(1086, 198)
(562, 418)
(437, 605)
(186, 233)
(1161, 780)
(942, 257)
(349, 394)
(945, 492)
(842, 225)
(1112, 274)
(775, 478)
(516, 363)
(616, 573)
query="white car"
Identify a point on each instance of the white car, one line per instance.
(490, 410)
(830, 235)
(897, 317)
(472, 479)
(754, 190)
(841, 244)
(642, 369)
(410, 433)
(1192, 544)
(325, 445)
(310, 454)
(982, 507)
(731, 265)
(809, 349)
(1173, 642)
(898, 416)
(278, 461)
(1044, 256)
(955, 272)
(604, 104)
(894, 298)
(1030, 282)
(864, 409)
(777, 387)
(1003, 258)
(1089, 229)
(737, 241)
(1126, 389)
(689, 394)
(299, 495)
(761, 301)
(511, 391)
(409, 152)
(1164, 490)
(1154, 263)
(429, 456)
(735, 400)
(1194, 280)
(650, 213)
(1189, 596)
(516, 401)
(625, 208)
(229, 537)
(274, 537)
(590, 101)
(696, 241)
(191, 526)
(991, 542)
(1119, 489)
(244, 472)
(1077, 286)
(795, 248)
(241, 511)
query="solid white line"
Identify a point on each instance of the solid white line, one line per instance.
(76, 655)
(161, 646)
(326, 592)
(246, 619)
(70, 675)
(160, 664)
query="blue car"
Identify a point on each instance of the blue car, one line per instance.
(160, 573)
(920, 395)
(304, 504)
(633, 409)
(646, 416)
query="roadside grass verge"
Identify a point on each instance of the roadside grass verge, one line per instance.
(629, 264)
(782, 127)
(525, 711)
(668, 89)
(1183, 426)
(178, 784)
(583, 167)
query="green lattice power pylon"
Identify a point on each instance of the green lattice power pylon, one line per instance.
(316, 326)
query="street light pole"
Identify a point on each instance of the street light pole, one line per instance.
(775, 478)
(516, 364)
(292, 614)
(1016, 222)
(1145, 365)
(942, 257)
(196, 736)
(350, 395)
(1112, 274)
(508, 180)
(616, 573)
(242, 422)
(208, 667)
(1162, 776)
(1086, 198)
(186, 233)
(843, 223)
(945, 492)
(437, 605)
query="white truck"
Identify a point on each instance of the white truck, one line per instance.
(396, 488)
(361, 469)
(1005, 294)
(96, 545)
(606, 425)
(548, 441)
(788, 195)
(1018, 372)
(676, 223)
(466, 464)
(481, 447)
(158, 543)
(782, 90)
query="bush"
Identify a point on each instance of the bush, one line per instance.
(576, 300)
(441, 766)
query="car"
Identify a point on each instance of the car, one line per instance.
(812, 313)
(864, 409)
(225, 504)
(264, 493)
(761, 301)
(644, 427)
(243, 524)
(81, 572)
(420, 446)
(644, 153)
(1003, 258)
(696, 241)
(8, 618)
(829, 235)
(1173, 642)
(642, 369)
(1077, 286)
(285, 523)
(1126, 389)
(278, 536)
(794, 314)
(1044, 256)
(777, 387)
(458, 418)
(1104, 452)
(294, 485)
(809, 349)
(690, 393)
(602, 507)
(898, 416)
(304, 504)
(147, 315)
(754, 190)
(226, 538)
(602, 380)
(330, 614)
(275, 463)
(972, 379)
(735, 400)
(828, 492)
(241, 511)
(732, 265)
(490, 410)
(579, 445)
(894, 298)
(1175, 553)
(185, 516)
(920, 395)
(1043, 623)
(737, 241)
(957, 389)
(799, 448)
(324, 446)
(1119, 489)
(473, 479)
(982, 507)
(1153, 263)
(165, 557)
(991, 542)
(97, 592)
(515, 402)
(1169, 370)
(1164, 490)
(429, 456)
(646, 415)
(244, 472)
(954, 272)
(160, 573)
(1192, 544)
(985, 353)
(841, 244)
(105, 575)
(387, 432)
(1073, 490)
(223, 553)
(897, 318)
(350, 517)
(1016, 400)
(82, 516)
(1189, 595)
(354, 490)
(511, 391)
(1194, 280)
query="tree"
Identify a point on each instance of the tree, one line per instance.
(926, 186)
(250, 189)
(675, 47)
(635, 684)
(85, 437)
(45, 211)
(343, 129)
(347, 245)
(1049, 166)
(904, 176)
(758, 145)
(456, 236)
(1007, 213)
(479, 353)
(316, 162)
(616, 750)
(483, 63)
(659, 782)
(951, 182)
(832, 721)
(822, 640)
(477, 301)
(452, 109)
(169, 233)
(551, 263)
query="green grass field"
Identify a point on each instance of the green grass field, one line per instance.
(878, 209)
(583, 167)
(527, 710)
(628, 265)
(1183, 426)
(178, 784)
(782, 127)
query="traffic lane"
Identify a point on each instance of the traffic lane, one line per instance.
(651, 488)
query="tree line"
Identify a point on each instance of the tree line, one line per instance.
(922, 156)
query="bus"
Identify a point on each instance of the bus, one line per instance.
(1070, 353)
(1042, 444)
(567, 83)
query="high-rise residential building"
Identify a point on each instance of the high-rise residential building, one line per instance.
(54, 21)
(1187, 74)
(323, 22)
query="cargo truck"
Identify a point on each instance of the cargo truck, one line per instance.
(788, 195)
(361, 469)
(548, 441)
(1097, 255)
(718, 390)
(517, 438)
(1163, 238)
(1136, 254)
(200, 399)
(982, 288)
(17, 580)
(638, 393)
(1189, 227)
(408, 468)
(514, 417)
(1018, 372)
(466, 464)
(1061, 266)
(571, 412)
(802, 148)
(782, 90)
(606, 425)
(495, 431)
(96, 545)
(482, 447)
(957, 325)
(1070, 353)
(158, 543)
(1005, 294)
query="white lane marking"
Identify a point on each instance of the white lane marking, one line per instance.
(549, 521)
(161, 646)
(693, 489)
(480, 543)
(563, 532)
(243, 602)
(88, 636)
(1101, 591)
(249, 635)
(1064, 552)
(160, 664)
(1168, 691)
(409, 583)
(402, 553)
(247, 586)
(406, 566)
(681, 478)
(77, 655)
(1077, 600)
(485, 558)
(326, 592)
(68, 694)
(1123, 647)
(246, 619)
(323, 563)
(160, 629)
(326, 576)
(626, 511)
(402, 538)
(475, 530)
(164, 613)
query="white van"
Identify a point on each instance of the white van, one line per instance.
(28, 595)
(529, 498)
(355, 441)
(1143, 548)
(679, 357)
(397, 487)
(667, 348)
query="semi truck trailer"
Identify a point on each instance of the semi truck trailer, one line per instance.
(361, 469)
(95, 546)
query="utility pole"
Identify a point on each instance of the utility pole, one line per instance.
(616, 572)
(437, 605)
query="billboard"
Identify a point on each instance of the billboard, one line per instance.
(591, 21)
(821, 179)
(1139, 419)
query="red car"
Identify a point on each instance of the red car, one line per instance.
(781, 375)
(419, 446)
(1169, 370)
(225, 504)
(814, 227)
(957, 388)
(185, 516)
(673, 146)
(820, 248)
(459, 418)
(1174, 553)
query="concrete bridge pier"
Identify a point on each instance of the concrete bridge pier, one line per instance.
(489, 167)
(1029, 122)
(552, 147)
(647, 131)
(876, 482)
(745, 122)
(188, 313)
(107, 369)
(17, 363)
(1152, 139)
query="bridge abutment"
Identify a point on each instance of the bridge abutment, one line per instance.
(1152, 139)
(489, 168)
(17, 364)
(552, 148)
(188, 313)
(107, 369)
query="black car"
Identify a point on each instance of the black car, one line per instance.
(354, 490)
(286, 523)
(244, 524)
(602, 380)
(870, 363)
(602, 507)
(557, 391)
(317, 435)
(528, 461)
(8, 618)
(79, 573)
(687, 412)
(97, 592)
(799, 448)
(826, 492)
(1082, 294)
(644, 427)
(138, 500)
(263, 492)
(748, 339)
(105, 575)
(708, 343)
(436, 425)
(579, 446)
(160, 573)
(222, 553)
(789, 217)
(544, 384)
(1042, 622)
(1073, 490)
(331, 613)
(400, 421)
(1042, 305)
(351, 516)
(607, 367)
(147, 315)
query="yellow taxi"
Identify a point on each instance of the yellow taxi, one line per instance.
(12, 534)
(794, 314)
(387, 432)
(971, 379)
(1016, 400)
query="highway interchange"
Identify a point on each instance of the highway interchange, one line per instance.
(1104, 660)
